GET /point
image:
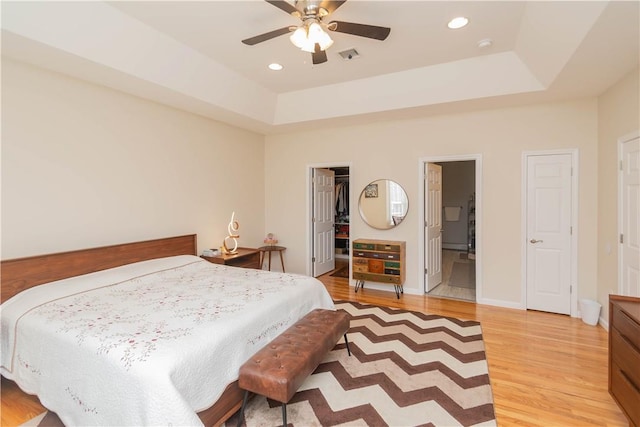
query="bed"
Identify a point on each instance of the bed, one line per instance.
(141, 333)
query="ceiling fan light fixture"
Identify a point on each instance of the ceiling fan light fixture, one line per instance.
(324, 40)
(299, 37)
(308, 47)
(315, 31)
(307, 36)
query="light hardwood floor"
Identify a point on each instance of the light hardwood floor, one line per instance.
(444, 289)
(545, 369)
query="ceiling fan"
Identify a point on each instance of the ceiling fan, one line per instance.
(311, 36)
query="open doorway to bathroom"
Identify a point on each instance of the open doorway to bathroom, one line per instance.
(457, 232)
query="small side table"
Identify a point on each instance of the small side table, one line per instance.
(264, 250)
(245, 257)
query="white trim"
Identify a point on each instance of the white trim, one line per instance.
(477, 158)
(389, 288)
(500, 303)
(621, 141)
(574, 153)
(309, 202)
(455, 246)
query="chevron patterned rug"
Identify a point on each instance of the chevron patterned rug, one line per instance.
(406, 369)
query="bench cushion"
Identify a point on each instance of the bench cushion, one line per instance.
(280, 367)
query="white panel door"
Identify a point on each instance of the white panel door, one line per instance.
(433, 226)
(323, 221)
(548, 274)
(630, 245)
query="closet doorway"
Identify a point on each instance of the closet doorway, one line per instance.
(452, 206)
(329, 218)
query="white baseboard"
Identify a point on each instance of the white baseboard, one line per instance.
(455, 246)
(414, 291)
(601, 321)
(388, 288)
(500, 303)
(604, 323)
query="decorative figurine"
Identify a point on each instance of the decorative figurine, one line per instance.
(270, 239)
(231, 229)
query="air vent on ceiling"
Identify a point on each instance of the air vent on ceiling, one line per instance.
(349, 54)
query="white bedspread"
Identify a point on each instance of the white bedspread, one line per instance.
(150, 343)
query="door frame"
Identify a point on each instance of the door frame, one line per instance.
(621, 141)
(309, 213)
(575, 173)
(477, 158)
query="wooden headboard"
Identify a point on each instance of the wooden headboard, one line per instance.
(23, 273)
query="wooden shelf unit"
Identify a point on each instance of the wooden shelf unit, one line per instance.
(342, 240)
(380, 261)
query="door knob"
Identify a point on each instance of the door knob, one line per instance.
(535, 241)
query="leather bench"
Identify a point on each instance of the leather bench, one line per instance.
(280, 367)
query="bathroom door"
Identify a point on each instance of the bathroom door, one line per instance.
(433, 226)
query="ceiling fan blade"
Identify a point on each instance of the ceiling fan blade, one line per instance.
(319, 56)
(331, 5)
(284, 5)
(266, 36)
(362, 30)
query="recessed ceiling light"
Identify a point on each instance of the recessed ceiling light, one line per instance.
(458, 22)
(275, 67)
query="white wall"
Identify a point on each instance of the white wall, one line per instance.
(619, 115)
(84, 166)
(393, 149)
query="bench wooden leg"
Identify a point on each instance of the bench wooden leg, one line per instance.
(244, 403)
(347, 343)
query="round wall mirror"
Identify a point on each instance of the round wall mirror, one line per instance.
(383, 204)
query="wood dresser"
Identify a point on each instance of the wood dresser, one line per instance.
(245, 257)
(381, 261)
(624, 355)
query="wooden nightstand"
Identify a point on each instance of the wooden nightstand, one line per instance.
(245, 258)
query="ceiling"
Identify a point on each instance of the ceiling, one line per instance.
(188, 54)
